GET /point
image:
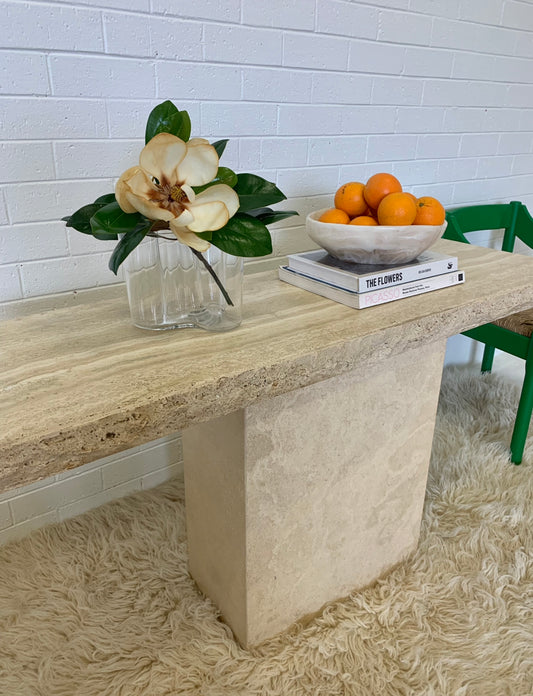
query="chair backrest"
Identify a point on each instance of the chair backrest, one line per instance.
(513, 217)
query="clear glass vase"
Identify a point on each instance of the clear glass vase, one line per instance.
(170, 288)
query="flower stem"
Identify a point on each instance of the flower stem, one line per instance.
(208, 266)
(160, 225)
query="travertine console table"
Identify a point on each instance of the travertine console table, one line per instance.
(308, 430)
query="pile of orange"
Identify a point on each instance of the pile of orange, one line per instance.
(382, 201)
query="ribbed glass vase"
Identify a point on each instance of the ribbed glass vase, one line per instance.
(170, 288)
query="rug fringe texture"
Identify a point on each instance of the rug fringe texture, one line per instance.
(102, 605)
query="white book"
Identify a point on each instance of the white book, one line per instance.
(360, 300)
(360, 277)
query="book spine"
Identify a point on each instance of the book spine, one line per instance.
(376, 281)
(368, 299)
(398, 292)
(406, 275)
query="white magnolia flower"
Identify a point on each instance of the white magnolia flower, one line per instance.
(161, 188)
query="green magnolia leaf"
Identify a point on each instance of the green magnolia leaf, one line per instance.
(128, 243)
(180, 125)
(255, 192)
(224, 176)
(268, 216)
(220, 146)
(166, 118)
(111, 220)
(105, 236)
(256, 212)
(105, 199)
(242, 235)
(160, 113)
(80, 220)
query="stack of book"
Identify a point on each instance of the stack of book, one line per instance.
(363, 285)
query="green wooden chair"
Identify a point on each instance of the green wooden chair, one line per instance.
(512, 334)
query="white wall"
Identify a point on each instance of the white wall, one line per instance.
(73, 492)
(312, 93)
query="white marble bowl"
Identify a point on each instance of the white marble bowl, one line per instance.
(379, 244)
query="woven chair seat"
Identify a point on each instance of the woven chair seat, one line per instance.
(520, 322)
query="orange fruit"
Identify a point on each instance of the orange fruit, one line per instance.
(429, 211)
(335, 215)
(379, 186)
(363, 220)
(350, 198)
(415, 199)
(397, 209)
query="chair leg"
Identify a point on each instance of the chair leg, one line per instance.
(523, 417)
(488, 358)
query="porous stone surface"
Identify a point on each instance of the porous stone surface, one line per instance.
(79, 382)
(299, 499)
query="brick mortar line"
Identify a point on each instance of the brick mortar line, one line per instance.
(354, 39)
(15, 184)
(100, 8)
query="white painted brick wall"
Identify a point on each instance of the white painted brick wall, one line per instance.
(312, 93)
(74, 492)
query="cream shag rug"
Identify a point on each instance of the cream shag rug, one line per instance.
(102, 605)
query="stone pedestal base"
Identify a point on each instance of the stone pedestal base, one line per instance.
(300, 499)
